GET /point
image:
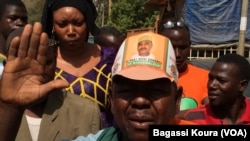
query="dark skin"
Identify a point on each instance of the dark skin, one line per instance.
(74, 54)
(24, 77)
(13, 17)
(109, 37)
(137, 104)
(225, 92)
(180, 39)
(36, 110)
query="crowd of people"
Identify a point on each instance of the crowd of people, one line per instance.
(55, 85)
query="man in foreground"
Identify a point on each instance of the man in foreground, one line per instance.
(144, 92)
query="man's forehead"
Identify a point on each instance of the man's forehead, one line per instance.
(15, 10)
(221, 69)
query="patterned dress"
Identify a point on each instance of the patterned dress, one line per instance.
(95, 84)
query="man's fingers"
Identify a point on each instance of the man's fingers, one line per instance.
(35, 40)
(24, 41)
(43, 49)
(13, 49)
(52, 85)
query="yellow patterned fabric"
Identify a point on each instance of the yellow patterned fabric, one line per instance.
(95, 84)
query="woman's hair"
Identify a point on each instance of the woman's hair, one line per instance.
(86, 7)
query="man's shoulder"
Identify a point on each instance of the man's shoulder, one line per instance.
(192, 72)
(183, 122)
(77, 100)
(194, 113)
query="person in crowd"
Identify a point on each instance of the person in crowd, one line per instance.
(13, 14)
(59, 115)
(86, 66)
(193, 79)
(138, 98)
(109, 37)
(228, 78)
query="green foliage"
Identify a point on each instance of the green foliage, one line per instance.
(125, 14)
(35, 8)
(130, 14)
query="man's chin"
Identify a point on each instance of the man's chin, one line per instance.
(181, 66)
(139, 137)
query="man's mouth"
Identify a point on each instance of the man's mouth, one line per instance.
(140, 123)
(212, 96)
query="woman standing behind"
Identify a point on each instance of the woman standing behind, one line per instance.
(86, 66)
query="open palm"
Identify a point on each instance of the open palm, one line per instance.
(23, 78)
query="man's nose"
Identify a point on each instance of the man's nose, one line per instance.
(177, 52)
(140, 102)
(212, 84)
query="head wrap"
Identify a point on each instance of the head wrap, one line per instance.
(86, 7)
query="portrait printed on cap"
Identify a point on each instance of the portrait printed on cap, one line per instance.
(147, 49)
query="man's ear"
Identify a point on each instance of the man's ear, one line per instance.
(243, 85)
(179, 93)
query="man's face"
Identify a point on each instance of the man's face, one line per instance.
(144, 47)
(13, 17)
(180, 40)
(223, 84)
(138, 104)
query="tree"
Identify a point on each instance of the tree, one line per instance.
(130, 14)
(35, 8)
(102, 11)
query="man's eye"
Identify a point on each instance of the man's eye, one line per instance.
(155, 95)
(124, 94)
(222, 81)
(183, 47)
(13, 18)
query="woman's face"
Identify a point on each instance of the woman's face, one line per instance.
(70, 26)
